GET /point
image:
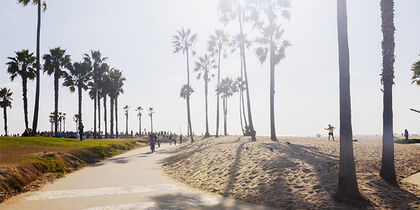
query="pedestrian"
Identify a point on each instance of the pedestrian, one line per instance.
(330, 131)
(406, 135)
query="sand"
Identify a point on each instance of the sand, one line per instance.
(302, 174)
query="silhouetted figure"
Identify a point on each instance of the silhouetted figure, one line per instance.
(406, 135)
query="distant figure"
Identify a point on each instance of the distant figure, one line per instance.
(406, 135)
(330, 131)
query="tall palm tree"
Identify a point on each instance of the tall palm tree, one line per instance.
(105, 88)
(126, 108)
(114, 76)
(186, 91)
(117, 90)
(54, 65)
(235, 44)
(347, 182)
(183, 41)
(139, 109)
(226, 89)
(203, 66)
(22, 65)
(151, 112)
(78, 77)
(76, 120)
(39, 4)
(216, 44)
(270, 42)
(6, 101)
(231, 10)
(96, 61)
(388, 47)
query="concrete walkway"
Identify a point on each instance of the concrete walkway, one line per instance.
(133, 180)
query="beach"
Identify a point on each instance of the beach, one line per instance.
(295, 172)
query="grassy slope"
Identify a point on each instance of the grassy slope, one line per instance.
(24, 160)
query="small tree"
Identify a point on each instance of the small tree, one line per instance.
(185, 93)
(226, 89)
(139, 109)
(126, 108)
(151, 112)
(6, 101)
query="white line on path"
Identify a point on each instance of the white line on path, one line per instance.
(48, 195)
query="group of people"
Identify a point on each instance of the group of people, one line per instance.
(155, 138)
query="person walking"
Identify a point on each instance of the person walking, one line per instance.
(406, 135)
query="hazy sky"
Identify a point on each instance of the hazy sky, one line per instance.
(136, 36)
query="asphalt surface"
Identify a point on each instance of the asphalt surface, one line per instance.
(133, 180)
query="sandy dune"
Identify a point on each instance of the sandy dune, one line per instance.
(301, 174)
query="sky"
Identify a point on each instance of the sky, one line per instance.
(136, 35)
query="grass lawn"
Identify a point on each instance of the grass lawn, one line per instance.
(24, 149)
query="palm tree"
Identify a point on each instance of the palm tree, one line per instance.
(183, 42)
(126, 107)
(347, 182)
(78, 77)
(118, 83)
(139, 109)
(76, 120)
(186, 91)
(235, 43)
(105, 88)
(216, 44)
(231, 10)
(6, 101)
(96, 61)
(203, 66)
(39, 3)
(388, 47)
(54, 64)
(416, 73)
(226, 89)
(151, 112)
(270, 43)
(114, 75)
(22, 65)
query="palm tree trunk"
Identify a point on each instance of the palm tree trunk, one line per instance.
(151, 123)
(99, 116)
(56, 103)
(218, 95)
(272, 85)
(242, 94)
(5, 119)
(225, 115)
(388, 46)
(139, 124)
(80, 113)
(251, 124)
(240, 113)
(206, 90)
(126, 123)
(94, 116)
(347, 182)
(111, 100)
(116, 117)
(25, 100)
(105, 120)
(188, 99)
(38, 75)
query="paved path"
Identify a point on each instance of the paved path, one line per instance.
(133, 180)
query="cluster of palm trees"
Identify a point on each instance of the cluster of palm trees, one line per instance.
(92, 73)
(265, 15)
